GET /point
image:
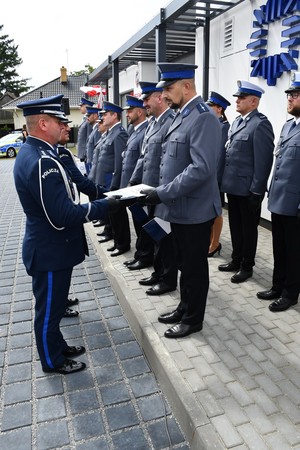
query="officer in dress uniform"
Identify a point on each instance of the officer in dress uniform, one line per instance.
(284, 204)
(219, 104)
(109, 167)
(102, 131)
(136, 116)
(54, 240)
(188, 195)
(248, 163)
(94, 136)
(164, 277)
(84, 129)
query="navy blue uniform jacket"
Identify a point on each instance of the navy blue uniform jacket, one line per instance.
(54, 236)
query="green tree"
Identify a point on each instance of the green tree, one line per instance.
(87, 69)
(9, 60)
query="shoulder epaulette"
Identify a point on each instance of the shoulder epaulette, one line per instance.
(262, 116)
(202, 107)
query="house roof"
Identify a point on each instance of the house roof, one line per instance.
(71, 90)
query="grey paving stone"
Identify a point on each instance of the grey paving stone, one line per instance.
(21, 327)
(143, 385)
(103, 356)
(51, 408)
(112, 311)
(98, 341)
(88, 425)
(116, 393)
(153, 407)
(108, 374)
(122, 336)
(107, 301)
(16, 416)
(20, 340)
(129, 350)
(18, 372)
(121, 416)
(80, 380)
(53, 435)
(95, 444)
(117, 324)
(46, 387)
(135, 366)
(16, 439)
(95, 327)
(17, 393)
(83, 401)
(160, 438)
(133, 439)
(19, 355)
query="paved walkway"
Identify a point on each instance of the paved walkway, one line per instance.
(235, 385)
(116, 404)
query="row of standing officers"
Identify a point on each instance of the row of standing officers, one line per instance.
(178, 156)
(244, 164)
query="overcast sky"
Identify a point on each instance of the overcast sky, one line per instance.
(71, 34)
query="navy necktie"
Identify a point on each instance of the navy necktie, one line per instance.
(240, 121)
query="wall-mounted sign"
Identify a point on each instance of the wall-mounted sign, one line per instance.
(267, 66)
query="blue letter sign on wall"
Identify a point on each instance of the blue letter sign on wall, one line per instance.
(271, 67)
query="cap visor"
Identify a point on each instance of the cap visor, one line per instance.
(163, 84)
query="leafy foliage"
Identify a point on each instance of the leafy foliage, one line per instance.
(87, 69)
(9, 60)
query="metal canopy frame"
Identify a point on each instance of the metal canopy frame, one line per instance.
(169, 36)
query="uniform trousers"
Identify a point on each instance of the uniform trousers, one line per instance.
(144, 244)
(243, 225)
(191, 249)
(120, 228)
(164, 262)
(286, 251)
(51, 291)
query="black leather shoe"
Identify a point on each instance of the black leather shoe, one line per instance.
(149, 281)
(182, 330)
(119, 251)
(172, 317)
(282, 304)
(241, 276)
(105, 239)
(129, 262)
(268, 295)
(139, 265)
(229, 267)
(69, 366)
(70, 313)
(111, 249)
(160, 288)
(73, 351)
(72, 302)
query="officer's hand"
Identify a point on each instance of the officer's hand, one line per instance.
(127, 201)
(151, 197)
(298, 218)
(254, 202)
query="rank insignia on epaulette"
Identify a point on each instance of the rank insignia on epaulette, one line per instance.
(202, 107)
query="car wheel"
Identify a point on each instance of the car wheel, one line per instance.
(10, 152)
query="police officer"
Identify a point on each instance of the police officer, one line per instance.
(284, 204)
(103, 132)
(188, 195)
(136, 117)
(84, 129)
(219, 104)
(109, 167)
(248, 163)
(94, 136)
(164, 277)
(54, 240)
